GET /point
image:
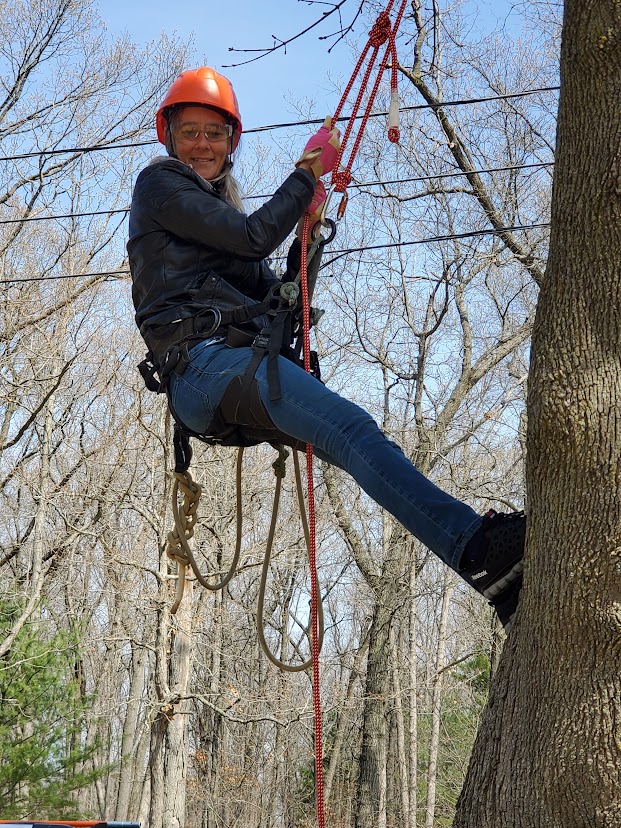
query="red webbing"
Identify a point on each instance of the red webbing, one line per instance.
(381, 32)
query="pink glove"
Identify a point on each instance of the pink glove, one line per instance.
(314, 209)
(317, 201)
(322, 149)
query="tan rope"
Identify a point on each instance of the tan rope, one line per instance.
(178, 548)
(279, 471)
(185, 519)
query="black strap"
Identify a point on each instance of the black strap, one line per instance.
(155, 377)
(182, 448)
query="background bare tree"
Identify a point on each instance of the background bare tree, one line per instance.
(188, 722)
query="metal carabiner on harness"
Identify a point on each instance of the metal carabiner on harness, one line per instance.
(324, 221)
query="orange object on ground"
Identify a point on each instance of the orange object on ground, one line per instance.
(97, 823)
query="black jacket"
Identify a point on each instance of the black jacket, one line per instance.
(189, 249)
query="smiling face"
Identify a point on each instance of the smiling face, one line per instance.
(206, 156)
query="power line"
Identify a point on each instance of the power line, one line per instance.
(106, 273)
(65, 216)
(448, 237)
(358, 185)
(338, 253)
(311, 122)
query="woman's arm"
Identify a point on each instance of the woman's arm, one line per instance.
(179, 205)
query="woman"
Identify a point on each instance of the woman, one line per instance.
(197, 260)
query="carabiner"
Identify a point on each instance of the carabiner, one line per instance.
(316, 230)
(324, 208)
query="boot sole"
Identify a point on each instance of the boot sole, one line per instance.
(502, 583)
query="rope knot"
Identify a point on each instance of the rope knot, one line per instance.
(185, 519)
(341, 180)
(280, 464)
(381, 30)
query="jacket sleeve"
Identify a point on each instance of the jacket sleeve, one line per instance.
(181, 207)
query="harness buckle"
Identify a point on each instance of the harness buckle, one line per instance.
(261, 341)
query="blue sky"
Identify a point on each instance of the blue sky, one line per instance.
(265, 87)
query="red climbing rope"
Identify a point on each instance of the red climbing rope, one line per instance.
(381, 32)
(312, 562)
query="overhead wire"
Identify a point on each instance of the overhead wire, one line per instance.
(357, 185)
(338, 253)
(286, 125)
(269, 127)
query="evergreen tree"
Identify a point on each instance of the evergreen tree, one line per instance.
(42, 711)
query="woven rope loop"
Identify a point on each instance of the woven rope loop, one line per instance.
(381, 30)
(341, 180)
(184, 527)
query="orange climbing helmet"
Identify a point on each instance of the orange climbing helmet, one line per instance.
(203, 87)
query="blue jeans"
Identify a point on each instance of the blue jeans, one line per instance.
(340, 432)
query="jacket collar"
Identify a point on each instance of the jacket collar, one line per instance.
(166, 162)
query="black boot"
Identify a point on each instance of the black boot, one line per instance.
(492, 561)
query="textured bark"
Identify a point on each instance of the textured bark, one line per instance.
(436, 707)
(548, 753)
(177, 746)
(129, 768)
(400, 727)
(412, 781)
(371, 791)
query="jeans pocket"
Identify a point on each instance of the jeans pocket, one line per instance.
(192, 407)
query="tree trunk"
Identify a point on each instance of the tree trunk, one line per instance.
(371, 793)
(177, 746)
(412, 781)
(36, 576)
(401, 763)
(129, 742)
(548, 753)
(436, 705)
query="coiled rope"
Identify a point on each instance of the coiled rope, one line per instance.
(179, 550)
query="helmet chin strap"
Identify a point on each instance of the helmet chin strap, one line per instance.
(228, 165)
(170, 145)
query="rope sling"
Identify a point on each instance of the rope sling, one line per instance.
(382, 32)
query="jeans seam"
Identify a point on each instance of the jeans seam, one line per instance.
(365, 459)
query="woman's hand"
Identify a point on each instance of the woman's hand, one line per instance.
(321, 151)
(314, 211)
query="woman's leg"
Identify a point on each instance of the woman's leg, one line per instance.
(343, 433)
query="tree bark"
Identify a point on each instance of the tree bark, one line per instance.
(401, 762)
(129, 769)
(371, 792)
(177, 746)
(436, 705)
(548, 751)
(412, 781)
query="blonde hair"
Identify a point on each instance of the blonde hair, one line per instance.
(228, 187)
